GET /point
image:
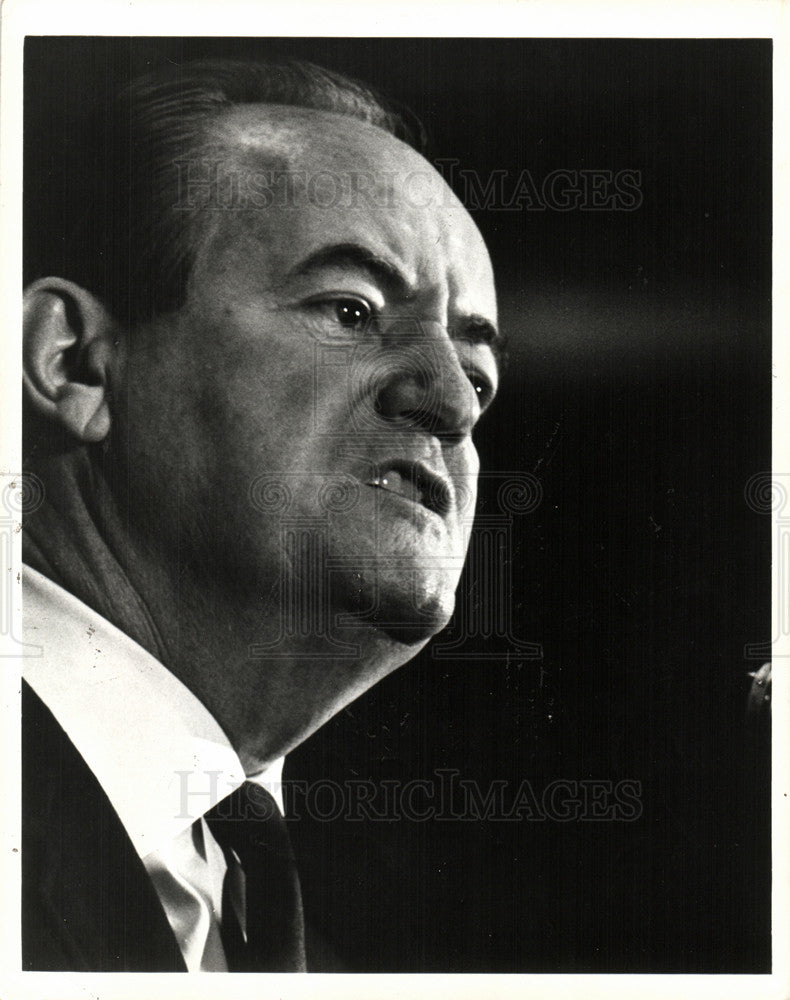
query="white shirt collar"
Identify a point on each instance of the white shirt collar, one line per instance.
(158, 753)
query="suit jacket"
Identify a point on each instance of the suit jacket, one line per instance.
(87, 901)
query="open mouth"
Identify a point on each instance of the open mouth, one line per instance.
(415, 482)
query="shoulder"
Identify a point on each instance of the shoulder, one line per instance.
(87, 901)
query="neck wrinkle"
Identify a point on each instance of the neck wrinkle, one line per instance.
(71, 540)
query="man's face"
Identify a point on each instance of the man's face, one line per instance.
(306, 417)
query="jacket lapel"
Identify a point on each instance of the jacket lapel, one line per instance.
(87, 901)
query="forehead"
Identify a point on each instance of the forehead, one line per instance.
(306, 177)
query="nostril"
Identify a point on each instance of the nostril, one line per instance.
(437, 402)
(403, 399)
(450, 438)
(419, 417)
(433, 422)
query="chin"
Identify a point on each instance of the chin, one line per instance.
(411, 615)
(416, 633)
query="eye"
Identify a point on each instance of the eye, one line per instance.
(482, 387)
(351, 313)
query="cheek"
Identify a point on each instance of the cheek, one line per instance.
(463, 467)
(154, 428)
(270, 382)
(259, 407)
(272, 442)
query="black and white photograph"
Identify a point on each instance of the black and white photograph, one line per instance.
(390, 532)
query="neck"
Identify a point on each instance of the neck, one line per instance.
(73, 539)
(222, 639)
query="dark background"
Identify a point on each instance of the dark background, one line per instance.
(639, 395)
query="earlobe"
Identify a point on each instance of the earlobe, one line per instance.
(68, 349)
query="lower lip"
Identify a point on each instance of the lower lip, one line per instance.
(414, 507)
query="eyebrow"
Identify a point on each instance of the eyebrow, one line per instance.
(479, 330)
(474, 329)
(355, 255)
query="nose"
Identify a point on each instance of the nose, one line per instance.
(425, 386)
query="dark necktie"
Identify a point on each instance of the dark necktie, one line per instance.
(249, 823)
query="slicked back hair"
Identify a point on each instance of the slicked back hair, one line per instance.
(110, 217)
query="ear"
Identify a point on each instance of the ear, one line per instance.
(68, 350)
